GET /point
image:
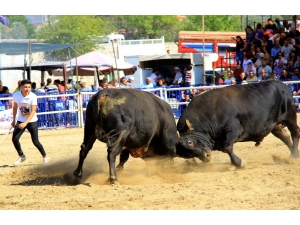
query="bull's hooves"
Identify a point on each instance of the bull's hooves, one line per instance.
(120, 168)
(71, 179)
(114, 183)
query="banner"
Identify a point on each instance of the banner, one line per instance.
(6, 118)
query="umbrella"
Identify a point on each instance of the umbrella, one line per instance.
(102, 62)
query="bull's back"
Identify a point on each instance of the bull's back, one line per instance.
(253, 105)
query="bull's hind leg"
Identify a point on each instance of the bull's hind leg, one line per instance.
(85, 148)
(114, 148)
(123, 159)
(280, 133)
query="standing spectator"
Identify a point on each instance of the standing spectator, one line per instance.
(69, 85)
(148, 83)
(155, 76)
(278, 23)
(178, 76)
(60, 87)
(18, 88)
(33, 87)
(188, 76)
(258, 35)
(3, 89)
(249, 37)
(50, 86)
(295, 25)
(41, 89)
(239, 49)
(286, 49)
(267, 69)
(275, 49)
(271, 25)
(182, 71)
(52, 90)
(25, 103)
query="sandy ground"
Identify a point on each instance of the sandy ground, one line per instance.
(271, 180)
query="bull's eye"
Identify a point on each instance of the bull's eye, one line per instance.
(190, 143)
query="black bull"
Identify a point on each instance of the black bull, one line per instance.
(131, 122)
(216, 119)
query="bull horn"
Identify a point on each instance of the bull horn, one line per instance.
(178, 134)
(189, 125)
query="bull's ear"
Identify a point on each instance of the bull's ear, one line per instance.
(189, 125)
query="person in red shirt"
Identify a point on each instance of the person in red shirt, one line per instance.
(237, 72)
(60, 87)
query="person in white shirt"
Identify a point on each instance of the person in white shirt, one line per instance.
(286, 49)
(155, 75)
(178, 76)
(24, 108)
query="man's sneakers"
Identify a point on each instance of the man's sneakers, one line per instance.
(19, 160)
(46, 160)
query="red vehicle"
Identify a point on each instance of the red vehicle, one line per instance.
(217, 42)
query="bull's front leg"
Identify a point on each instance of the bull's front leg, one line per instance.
(85, 148)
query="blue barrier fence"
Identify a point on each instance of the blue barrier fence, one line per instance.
(68, 109)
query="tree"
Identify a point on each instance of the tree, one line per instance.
(23, 20)
(212, 23)
(18, 30)
(5, 32)
(147, 27)
(86, 31)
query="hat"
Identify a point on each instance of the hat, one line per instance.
(260, 54)
(82, 81)
(124, 78)
(176, 68)
(249, 63)
(131, 78)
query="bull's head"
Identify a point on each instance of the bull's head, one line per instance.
(192, 143)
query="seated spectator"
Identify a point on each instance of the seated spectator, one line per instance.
(186, 99)
(124, 83)
(293, 56)
(259, 57)
(252, 77)
(275, 50)
(274, 74)
(262, 75)
(250, 68)
(148, 83)
(290, 67)
(280, 57)
(269, 60)
(3, 89)
(131, 81)
(265, 67)
(237, 71)
(243, 78)
(247, 60)
(103, 84)
(279, 68)
(229, 78)
(284, 75)
(286, 49)
(115, 84)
